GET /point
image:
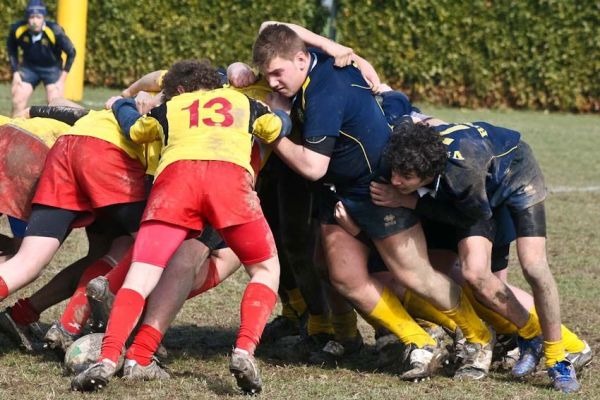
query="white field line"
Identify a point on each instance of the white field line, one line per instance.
(568, 189)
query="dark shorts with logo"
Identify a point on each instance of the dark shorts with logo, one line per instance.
(376, 222)
(36, 74)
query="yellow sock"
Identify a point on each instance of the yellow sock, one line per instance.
(469, 323)
(532, 328)
(554, 352)
(390, 313)
(320, 323)
(288, 312)
(344, 325)
(296, 301)
(501, 325)
(418, 307)
(571, 341)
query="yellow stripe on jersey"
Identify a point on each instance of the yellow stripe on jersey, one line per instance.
(506, 152)
(21, 30)
(50, 35)
(103, 125)
(361, 147)
(159, 81)
(482, 132)
(46, 129)
(454, 129)
(304, 86)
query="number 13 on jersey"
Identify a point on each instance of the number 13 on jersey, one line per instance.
(215, 112)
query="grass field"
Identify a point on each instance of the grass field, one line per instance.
(567, 148)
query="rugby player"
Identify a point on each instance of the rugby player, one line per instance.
(477, 168)
(73, 191)
(344, 134)
(27, 142)
(206, 134)
(42, 43)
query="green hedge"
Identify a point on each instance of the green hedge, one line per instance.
(126, 39)
(530, 54)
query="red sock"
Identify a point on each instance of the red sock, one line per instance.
(144, 345)
(78, 310)
(211, 280)
(23, 313)
(125, 313)
(257, 303)
(116, 277)
(3, 289)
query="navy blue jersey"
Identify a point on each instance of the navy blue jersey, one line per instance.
(43, 52)
(396, 105)
(337, 102)
(478, 166)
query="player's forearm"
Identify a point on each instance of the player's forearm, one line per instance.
(308, 37)
(70, 51)
(148, 83)
(14, 61)
(305, 162)
(126, 114)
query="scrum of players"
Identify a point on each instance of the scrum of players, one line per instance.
(329, 188)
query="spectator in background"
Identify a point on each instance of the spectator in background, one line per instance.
(42, 42)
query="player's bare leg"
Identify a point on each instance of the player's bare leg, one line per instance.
(163, 305)
(165, 302)
(21, 92)
(405, 254)
(35, 253)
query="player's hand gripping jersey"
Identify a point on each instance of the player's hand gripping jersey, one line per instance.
(202, 125)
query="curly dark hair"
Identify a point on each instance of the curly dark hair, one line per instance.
(189, 76)
(416, 149)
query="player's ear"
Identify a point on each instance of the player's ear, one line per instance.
(301, 60)
(180, 89)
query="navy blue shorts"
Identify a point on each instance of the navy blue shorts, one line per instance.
(34, 74)
(376, 222)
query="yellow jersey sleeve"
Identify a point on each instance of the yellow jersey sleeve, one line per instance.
(146, 129)
(267, 127)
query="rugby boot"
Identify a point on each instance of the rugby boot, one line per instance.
(57, 337)
(530, 354)
(244, 368)
(101, 300)
(301, 350)
(94, 378)
(423, 362)
(25, 336)
(153, 371)
(582, 358)
(562, 375)
(390, 350)
(335, 350)
(476, 360)
(506, 353)
(280, 327)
